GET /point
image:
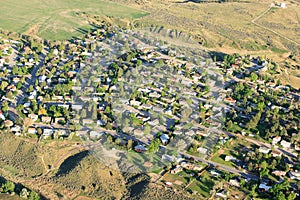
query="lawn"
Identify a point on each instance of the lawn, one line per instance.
(57, 19)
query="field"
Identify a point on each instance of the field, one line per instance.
(57, 19)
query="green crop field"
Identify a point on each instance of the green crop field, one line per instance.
(57, 19)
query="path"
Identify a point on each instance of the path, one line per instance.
(268, 29)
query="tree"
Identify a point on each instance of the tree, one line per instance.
(154, 145)
(253, 191)
(8, 187)
(292, 196)
(34, 196)
(129, 144)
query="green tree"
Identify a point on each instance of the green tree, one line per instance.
(34, 196)
(8, 187)
(129, 144)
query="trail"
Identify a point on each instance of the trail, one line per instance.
(270, 30)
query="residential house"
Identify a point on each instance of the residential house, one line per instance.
(263, 187)
(177, 169)
(77, 107)
(229, 158)
(34, 117)
(285, 144)
(229, 100)
(47, 132)
(46, 119)
(154, 122)
(234, 182)
(264, 150)
(95, 134)
(87, 121)
(279, 173)
(222, 194)
(275, 140)
(202, 150)
(294, 174)
(2, 116)
(154, 95)
(168, 158)
(32, 130)
(8, 123)
(138, 132)
(140, 148)
(164, 138)
(275, 153)
(135, 103)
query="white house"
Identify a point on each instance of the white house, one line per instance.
(276, 139)
(264, 150)
(285, 144)
(164, 138)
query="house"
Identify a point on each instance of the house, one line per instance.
(87, 121)
(168, 158)
(32, 116)
(135, 103)
(62, 132)
(234, 182)
(95, 134)
(202, 150)
(264, 150)
(140, 148)
(202, 133)
(177, 132)
(164, 138)
(279, 173)
(168, 184)
(222, 194)
(229, 158)
(32, 130)
(76, 107)
(229, 100)
(285, 144)
(16, 129)
(46, 119)
(177, 169)
(101, 122)
(2, 116)
(138, 132)
(153, 122)
(275, 140)
(154, 95)
(294, 174)
(48, 132)
(264, 187)
(276, 153)
(8, 123)
(214, 173)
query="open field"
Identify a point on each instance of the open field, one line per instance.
(228, 27)
(56, 19)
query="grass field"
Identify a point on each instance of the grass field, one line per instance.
(57, 19)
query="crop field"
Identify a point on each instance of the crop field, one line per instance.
(57, 19)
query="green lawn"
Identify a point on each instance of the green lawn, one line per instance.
(57, 19)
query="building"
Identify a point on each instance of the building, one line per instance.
(276, 153)
(264, 150)
(177, 169)
(164, 138)
(140, 148)
(285, 144)
(275, 140)
(279, 173)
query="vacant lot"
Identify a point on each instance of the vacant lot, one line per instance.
(57, 19)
